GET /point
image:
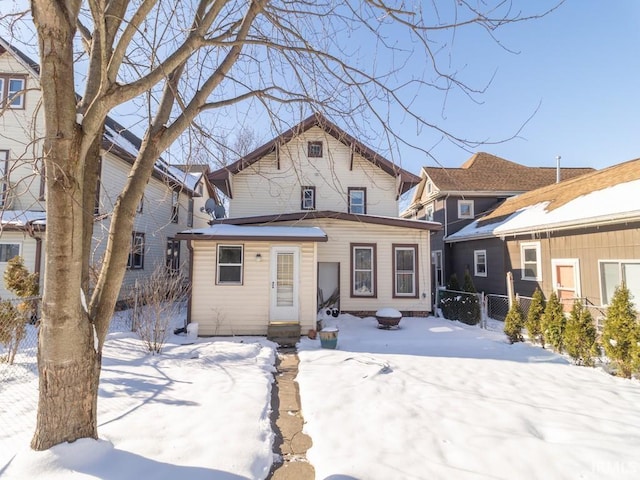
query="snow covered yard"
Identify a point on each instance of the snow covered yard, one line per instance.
(442, 400)
(432, 400)
(197, 411)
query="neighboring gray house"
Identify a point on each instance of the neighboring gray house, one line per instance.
(579, 238)
(455, 197)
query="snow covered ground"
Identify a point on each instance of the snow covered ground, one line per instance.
(442, 400)
(432, 400)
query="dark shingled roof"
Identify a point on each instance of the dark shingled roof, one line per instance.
(561, 193)
(486, 172)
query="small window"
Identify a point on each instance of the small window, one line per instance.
(136, 255)
(173, 256)
(12, 91)
(308, 198)
(358, 200)
(190, 213)
(429, 214)
(175, 206)
(230, 264)
(530, 261)
(405, 270)
(8, 251)
(363, 270)
(465, 209)
(436, 259)
(614, 272)
(429, 187)
(480, 263)
(4, 168)
(140, 205)
(314, 149)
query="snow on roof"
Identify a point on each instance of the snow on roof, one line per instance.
(20, 218)
(610, 205)
(258, 232)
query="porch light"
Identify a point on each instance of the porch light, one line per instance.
(258, 257)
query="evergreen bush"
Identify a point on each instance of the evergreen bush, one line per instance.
(514, 323)
(621, 333)
(580, 336)
(552, 324)
(470, 312)
(534, 316)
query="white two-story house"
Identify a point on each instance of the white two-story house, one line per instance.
(170, 204)
(312, 222)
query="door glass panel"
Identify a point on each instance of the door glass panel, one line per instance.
(284, 297)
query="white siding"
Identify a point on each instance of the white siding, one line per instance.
(21, 133)
(27, 252)
(244, 309)
(343, 233)
(154, 220)
(263, 189)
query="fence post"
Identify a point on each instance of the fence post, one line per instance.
(483, 310)
(510, 288)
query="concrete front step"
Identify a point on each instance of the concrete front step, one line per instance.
(285, 334)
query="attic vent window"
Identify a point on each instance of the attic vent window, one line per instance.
(314, 149)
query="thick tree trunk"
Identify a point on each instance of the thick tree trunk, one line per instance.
(68, 360)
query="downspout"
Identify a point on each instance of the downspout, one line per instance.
(190, 299)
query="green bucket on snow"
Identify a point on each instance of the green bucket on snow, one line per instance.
(328, 338)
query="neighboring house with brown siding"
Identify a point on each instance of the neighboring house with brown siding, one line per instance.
(170, 203)
(313, 220)
(579, 238)
(455, 197)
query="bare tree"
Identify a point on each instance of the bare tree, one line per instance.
(181, 60)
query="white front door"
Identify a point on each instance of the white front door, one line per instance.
(284, 284)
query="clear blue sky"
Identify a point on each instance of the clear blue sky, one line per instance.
(579, 67)
(580, 64)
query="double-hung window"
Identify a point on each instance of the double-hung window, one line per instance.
(405, 261)
(363, 270)
(230, 260)
(173, 256)
(308, 198)
(357, 200)
(136, 255)
(530, 264)
(480, 263)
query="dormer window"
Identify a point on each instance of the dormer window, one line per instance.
(429, 187)
(12, 91)
(314, 149)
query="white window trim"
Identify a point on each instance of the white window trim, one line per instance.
(20, 96)
(636, 301)
(476, 254)
(528, 245)
(305, 199)
(218, 264)
(414, 272)
(462, 203)
(372, 250)
(575, 263)
(12, 243)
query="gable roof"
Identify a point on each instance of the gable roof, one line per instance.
(602, 197)
(220, 178)
(116, 139)
(484, 172)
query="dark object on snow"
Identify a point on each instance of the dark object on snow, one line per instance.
(335, 312)
(179, 331)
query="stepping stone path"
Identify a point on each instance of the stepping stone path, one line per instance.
(287, 422)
